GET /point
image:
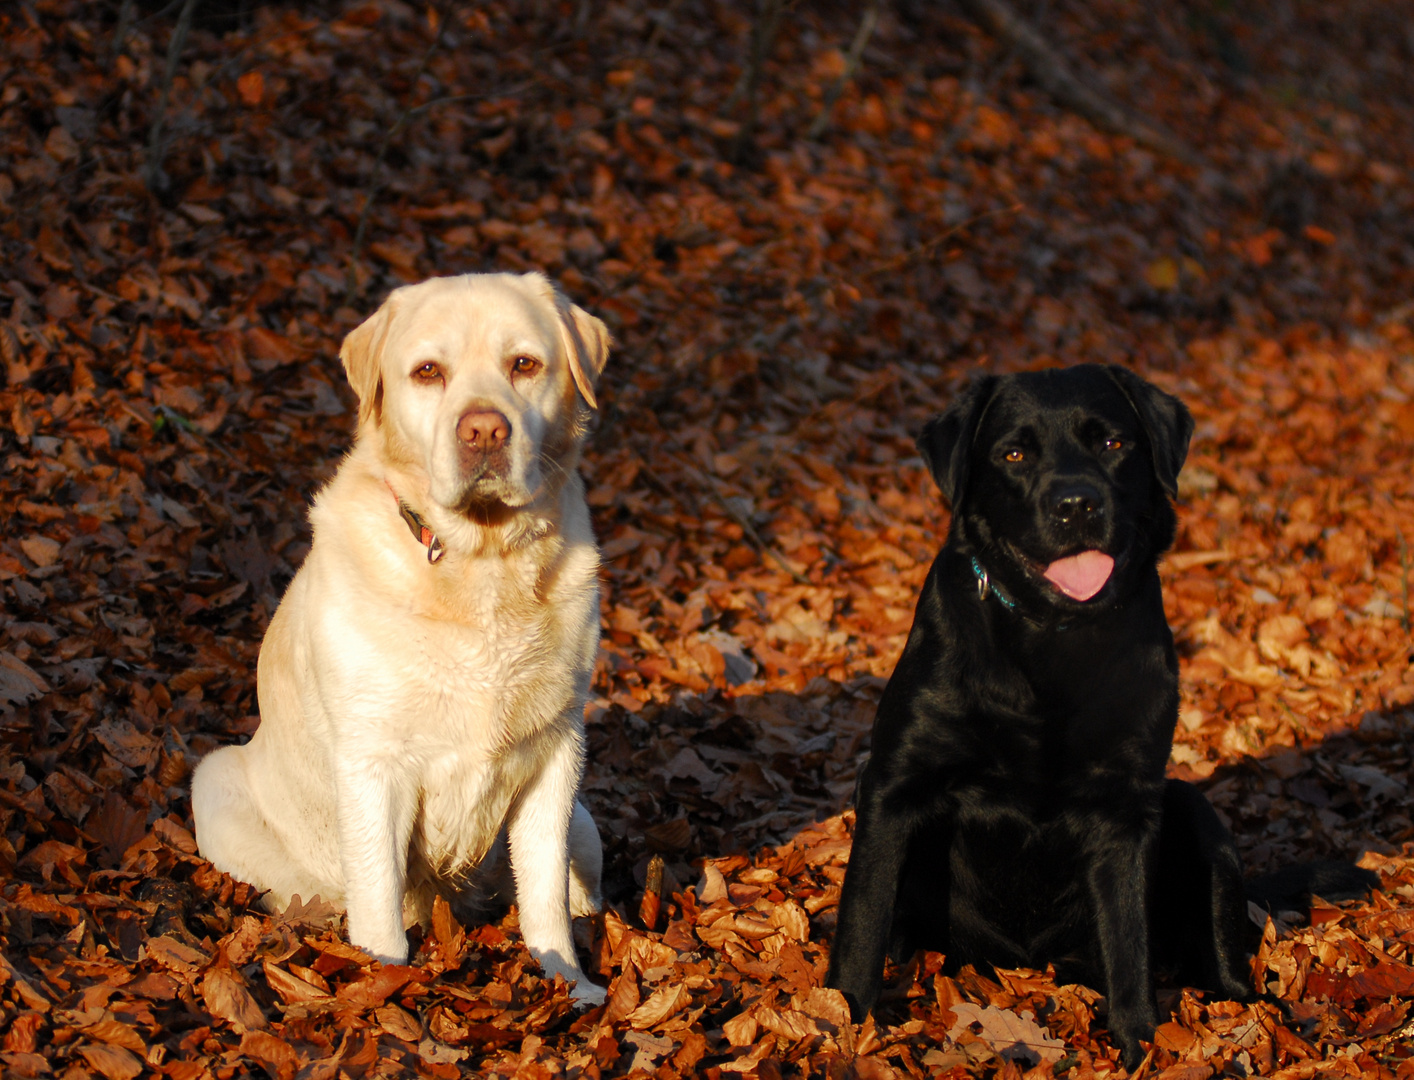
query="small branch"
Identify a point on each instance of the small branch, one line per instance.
(156, 179)
(932, 245)
(712, 485)
(851, 65)
(1049, 68)
(1403, 577)
(663, 18)
(763, 36)
(120, 32)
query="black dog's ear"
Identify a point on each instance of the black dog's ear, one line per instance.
(1166, 420)
(946, 441)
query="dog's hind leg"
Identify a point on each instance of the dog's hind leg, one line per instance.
(586, 863)
(1291, 887)
(1199, 911)
(922, 915)
(237, 838)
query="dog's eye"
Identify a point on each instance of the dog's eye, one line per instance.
(525, 365)
(428, 372)
(1015, 455)
(1114, 444)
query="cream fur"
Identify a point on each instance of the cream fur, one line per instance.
(419, 719)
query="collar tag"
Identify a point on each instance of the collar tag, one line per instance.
(985, 587)
(421, 531)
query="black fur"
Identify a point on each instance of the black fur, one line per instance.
(1014, 810)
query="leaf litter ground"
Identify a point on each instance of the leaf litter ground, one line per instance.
(788, 312)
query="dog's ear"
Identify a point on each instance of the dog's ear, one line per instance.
(1166, 420)
(362, 354)
(587, 343)
(946, 441)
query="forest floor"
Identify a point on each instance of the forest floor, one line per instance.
(788, 312)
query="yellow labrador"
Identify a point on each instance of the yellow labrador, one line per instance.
(422, 684)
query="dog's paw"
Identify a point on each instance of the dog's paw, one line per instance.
(388, 951)
(1132, 1051)
(584, 905)
(587, 994)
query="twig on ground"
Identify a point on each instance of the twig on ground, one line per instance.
(155, 178)
(662, 19)
(710, 484)
(851, 65)
(932, 245)
(1403, 577)
(1050, 69)
(713, 488)
(120, 32)
(763, 36)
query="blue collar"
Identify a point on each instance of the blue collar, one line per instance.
(985, 586)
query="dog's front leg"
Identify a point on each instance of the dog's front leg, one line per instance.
(376, 807)
(1121, 867)
(539, 836)
(867, 902)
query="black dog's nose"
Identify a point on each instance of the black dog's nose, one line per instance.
(1075, 502)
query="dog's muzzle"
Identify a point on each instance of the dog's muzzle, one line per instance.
(1075, 503)
(483, 438)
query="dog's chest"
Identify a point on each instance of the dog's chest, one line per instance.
(466, 797)
(509, 645)
(501, 687)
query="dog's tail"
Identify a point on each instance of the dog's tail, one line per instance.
(1291, 887)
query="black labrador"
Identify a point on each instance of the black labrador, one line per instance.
(1014, 809)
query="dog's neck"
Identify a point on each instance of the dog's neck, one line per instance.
(440, 531)
(421, 530)
(987, 587)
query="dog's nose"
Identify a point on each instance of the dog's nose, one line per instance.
(485, 430)
(1075, 502)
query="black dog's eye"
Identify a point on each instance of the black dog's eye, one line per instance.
(525, 365)
(1015, 455)
(428, 372)
(1114, 444)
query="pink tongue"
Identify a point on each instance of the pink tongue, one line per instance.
(1081, 576)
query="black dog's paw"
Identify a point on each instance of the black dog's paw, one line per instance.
(1132, 1050)
(1230, 986)
(1130, 1030)
(858, 1012)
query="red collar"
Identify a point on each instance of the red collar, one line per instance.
(420, 529)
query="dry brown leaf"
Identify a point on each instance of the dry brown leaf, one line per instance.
(787, 1023)
(292, 989)
(1012, 1035)
(117, 1033)
(19, 683)
(661, 1004)
(225, 994)
(114, 1062)
(623, 996)
(269, 1050)
(175, 955)
(741, 1029)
